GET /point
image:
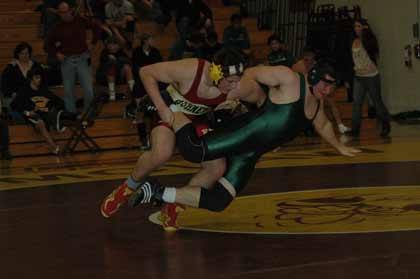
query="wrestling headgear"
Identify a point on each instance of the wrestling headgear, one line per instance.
(318, 73)
(227, 62)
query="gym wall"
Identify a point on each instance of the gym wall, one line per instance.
(392, 23)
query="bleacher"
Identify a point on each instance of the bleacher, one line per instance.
(19, 22)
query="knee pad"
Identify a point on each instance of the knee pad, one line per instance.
(216, 199)
(189, 144)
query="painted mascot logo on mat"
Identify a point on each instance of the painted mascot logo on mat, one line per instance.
(348, 210)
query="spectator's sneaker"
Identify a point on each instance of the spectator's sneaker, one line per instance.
(371, 112)
(386, 129)
(148, 192)
(169, 216)
(130, 111)
(145, 145)
(112, 95)
(113, 201)
(57, 151)
(343, 129)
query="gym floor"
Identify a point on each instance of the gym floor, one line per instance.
(306, 213)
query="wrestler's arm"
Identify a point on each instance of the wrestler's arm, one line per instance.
(325, 129)
(299, 67)
(166, 72)
(271, 75)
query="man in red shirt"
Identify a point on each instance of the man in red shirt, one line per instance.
(67, 41)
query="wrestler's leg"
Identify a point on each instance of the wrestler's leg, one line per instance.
(163, 144)
(239, 169)
(211, 171)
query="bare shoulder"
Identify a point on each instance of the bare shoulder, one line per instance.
(271, 75)
(179, 68)
(299, 67)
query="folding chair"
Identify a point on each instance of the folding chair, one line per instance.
(78, 128)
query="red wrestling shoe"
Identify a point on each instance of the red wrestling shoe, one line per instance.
(169, 215)
(113, 201)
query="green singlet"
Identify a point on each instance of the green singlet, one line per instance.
(247, 137)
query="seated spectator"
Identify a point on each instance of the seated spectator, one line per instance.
(303, 66)
(236, 35)
(41, 108)
(120, 20)
(212, 46)
(4, 137)
(14, 75)
(279, 54)
(190, 14)
(143, 55)
(114, 67)
(96, 11)
(190, 46)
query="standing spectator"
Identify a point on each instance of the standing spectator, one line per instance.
(49, 14)
(279, 54)
(190, 14)
(236, 35)
(367, 79)
(120, 20)
(41, 108)
(143, 55)
(67, 41)
(114, 67)
(14, 75)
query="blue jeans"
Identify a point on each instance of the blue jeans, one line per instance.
(370, 86)
(72, 65)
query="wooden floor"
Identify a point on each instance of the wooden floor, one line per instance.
(50, 225)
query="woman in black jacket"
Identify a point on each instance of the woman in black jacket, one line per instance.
(14, 75)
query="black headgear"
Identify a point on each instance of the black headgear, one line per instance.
(227, 62)
(318, 73)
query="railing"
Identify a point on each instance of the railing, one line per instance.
(289, 18)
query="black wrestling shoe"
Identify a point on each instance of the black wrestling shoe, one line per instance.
(371, 112)
(148, 192)
(386, 129)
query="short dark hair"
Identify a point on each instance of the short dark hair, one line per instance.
(274, 37)
(20, 47)
(235, 17)
(229, 56)
(144, 37)
(307, 50)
